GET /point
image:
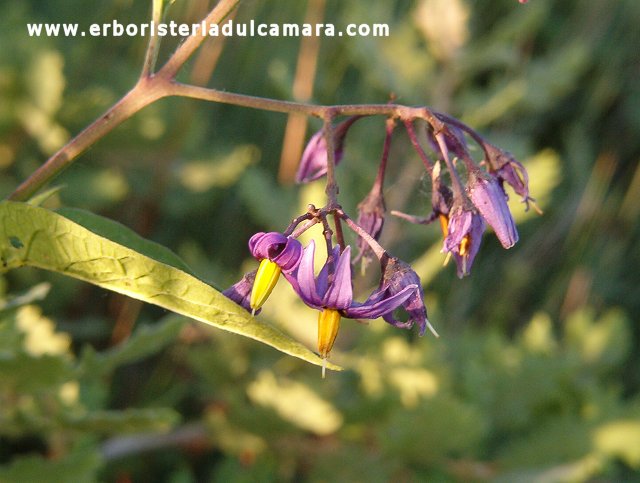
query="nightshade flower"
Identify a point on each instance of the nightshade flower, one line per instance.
(509, 170)
(277, 254)
(462, 238)
(491, 201)
(333, 295)
(313, 164)
(396, 277)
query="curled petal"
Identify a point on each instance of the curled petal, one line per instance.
(282, 250)
(508, 169)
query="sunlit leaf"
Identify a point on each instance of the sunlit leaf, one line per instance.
(53, 242)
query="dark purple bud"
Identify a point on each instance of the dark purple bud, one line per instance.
(282, 250)
(313, 164)
(490, 200)
(463, 238)
(371, 212)
(240, 292)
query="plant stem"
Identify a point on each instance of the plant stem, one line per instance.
(189, 46)
(153, 47)
(382, 168)
(143, 94)
(332, 186)
(416, 145)
(375, 246)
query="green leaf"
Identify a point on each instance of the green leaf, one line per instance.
(122, 235)
(54, 242)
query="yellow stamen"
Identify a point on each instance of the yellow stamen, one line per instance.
(266, 278)
(464, 245)
(464, 252)
(444, 224)
(328, 325)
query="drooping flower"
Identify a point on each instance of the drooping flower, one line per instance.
(313, 164)
(490, 200)
(396, 277)
(277, 254)
(509, 170)
(333, 294)
(463, 237)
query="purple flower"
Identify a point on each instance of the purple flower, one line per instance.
(463, 237)
(322, 293)
(240, 292)
(397, 276)
(333, 295)
(371, 218)
(281, 250)
(507, 169)
(277, 254)
(490, 200)
(313, 164)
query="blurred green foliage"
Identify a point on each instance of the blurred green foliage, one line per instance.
(535, 376)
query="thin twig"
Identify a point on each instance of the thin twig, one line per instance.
(189, 46)
(153, 47)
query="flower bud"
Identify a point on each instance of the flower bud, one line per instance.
(313, 164)
(490, 200)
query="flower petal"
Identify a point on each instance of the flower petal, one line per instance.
(385, 305)
(306, 280)
(240, 292)
(267, 245)
(490, 200)
(289, 257)
(340, 292)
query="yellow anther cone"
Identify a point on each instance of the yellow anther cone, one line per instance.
(266, 278)
(328, 325)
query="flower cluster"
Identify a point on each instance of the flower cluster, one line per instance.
(465, 198)
(331, 290)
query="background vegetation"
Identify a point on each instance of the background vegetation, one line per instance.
(536, 374)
